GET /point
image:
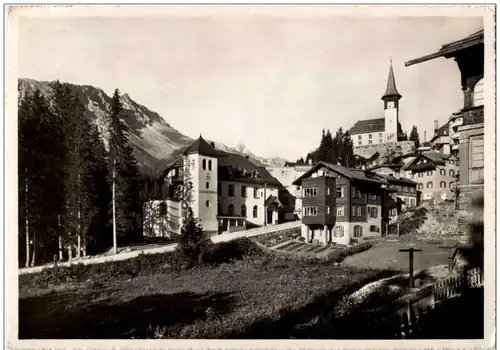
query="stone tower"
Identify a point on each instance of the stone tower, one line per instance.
(201, 160)
(391, 108)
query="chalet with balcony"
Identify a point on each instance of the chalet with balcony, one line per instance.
(341, 204)
(469, 55)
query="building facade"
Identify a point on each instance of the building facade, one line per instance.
(468, 53)
(341, 204)
(228, 193)
(404, 189)
(380, 130)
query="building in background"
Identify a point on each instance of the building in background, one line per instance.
(229, 193)
(380, 130)
(468, 53)
(455, 121)
(440, 142)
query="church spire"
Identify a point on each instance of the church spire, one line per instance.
(391, 90)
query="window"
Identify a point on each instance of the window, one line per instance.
(478, 98)
(204, 164)
(230, 210)
(327, 210)
(372, 197)
(370, 141)
(359, 137)
(339, 192)
(429, 172)
(340, 211)
(442, 184)
(244, 211)
(420, 186)
(328, 191)
(429, 184)
(477, 151)
(310, 192)
(451, 184)
(380, 134)
(442, 171)
(374, 228)
(452, 173)
(358, 231)
(412, 202)
(338, 231)
(163, 209)
(255, 193)
(356, 211)
(219, 190)
(255, 211)
(373, 211)
(230, 190)
(370, 136)
(420, 174)
(380, 140)
(207, 184)
(207, 203)
(310, 211)
(356, 193)
(244, 191)
(210, 165)
(360, 143)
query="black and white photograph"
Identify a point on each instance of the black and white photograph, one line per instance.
(316, 175)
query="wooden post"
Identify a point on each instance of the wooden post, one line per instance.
(55, 260)
(411, 251)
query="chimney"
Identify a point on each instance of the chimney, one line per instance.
(436, 125)
(212, 144)
(425, 135)
(310, 161)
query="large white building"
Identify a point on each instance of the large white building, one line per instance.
(380, 130)
(229, 193)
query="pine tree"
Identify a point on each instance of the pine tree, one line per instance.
(414, 136)
(124, 178)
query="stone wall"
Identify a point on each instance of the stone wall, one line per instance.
(400, 147)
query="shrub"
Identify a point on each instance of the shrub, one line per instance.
(193, 242)
(225, 252)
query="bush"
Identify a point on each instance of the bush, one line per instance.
(193, 242)
(226, 252)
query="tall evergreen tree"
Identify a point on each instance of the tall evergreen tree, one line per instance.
(414, 136)
(124, 173)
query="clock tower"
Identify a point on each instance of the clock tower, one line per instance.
(391, 108)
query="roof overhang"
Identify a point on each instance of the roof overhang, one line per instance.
(451, 49)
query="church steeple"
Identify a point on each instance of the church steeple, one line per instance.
(391, 93)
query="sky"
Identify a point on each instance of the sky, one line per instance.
(270, 83)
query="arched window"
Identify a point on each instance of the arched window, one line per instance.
(358, 231)
(207, 184)
(207, 203)
(204, 164)
(163, 209)
(230, 210)
(338, 231)
(210, 165)
(255, 211)
(442, 184)
(478, 91)
(452, 172)
(244, 210)
(429, 184)
(442, 171)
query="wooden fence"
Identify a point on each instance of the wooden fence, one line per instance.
(412, 315)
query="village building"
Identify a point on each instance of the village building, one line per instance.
(229, 193)
(406, 189)
(380, 130)
(469, 55)
(440, 142)
(435, 175)
(455, 121)
(341, 205)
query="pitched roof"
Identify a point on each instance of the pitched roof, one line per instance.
(202, 147)
(391, 90)
(272, 199)
(368, 126)
(228, 162)
(392, 179)
(450, 49)
(350, 173)
(444, 130)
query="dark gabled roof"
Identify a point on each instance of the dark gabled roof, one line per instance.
(450, 49)
(391, 90)
(368, 126)
(442, 131)
(272, 199)
(350, 173)
(202, 147)
(402, 180)
(435, 157)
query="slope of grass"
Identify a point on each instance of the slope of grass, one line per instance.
(252, 295)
